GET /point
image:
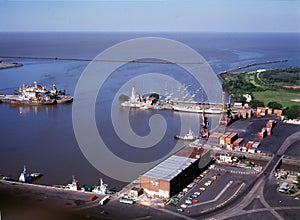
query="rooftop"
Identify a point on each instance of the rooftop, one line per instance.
(191, 152)
(170, 167)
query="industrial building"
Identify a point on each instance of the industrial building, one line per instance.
(175, 173)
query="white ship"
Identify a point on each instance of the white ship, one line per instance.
(101, 189)
(37, 95)
(73, 186)
(188, 137)
(196, 109)
(135, 100)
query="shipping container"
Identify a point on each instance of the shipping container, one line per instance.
(250, 113)
(93, 197)
(269, 131)
(278, 112)
(238, 141)
(270, 111)
(258, 114)
(251, 151)
(244, 149)
(249, 144)
(270, 124)
(255, 145)
(231, 138)
(222, 139)
(262, 134)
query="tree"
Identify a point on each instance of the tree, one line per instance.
(292, 112)
(240, 98)
(241, 157)
(274, 105)
(155, 95)
(256, 103)
(123, 98)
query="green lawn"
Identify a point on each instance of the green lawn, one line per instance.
(271, 83)
(282, 97)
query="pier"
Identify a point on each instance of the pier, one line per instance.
(100, 60)
(252, 64)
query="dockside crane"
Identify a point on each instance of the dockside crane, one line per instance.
(225, 117)
(204, 133)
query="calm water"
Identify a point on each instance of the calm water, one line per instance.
(43, 137)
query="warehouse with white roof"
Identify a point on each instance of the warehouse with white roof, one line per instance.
(173, 174)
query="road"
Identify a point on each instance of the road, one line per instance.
(257, 191)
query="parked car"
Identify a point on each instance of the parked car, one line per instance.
(213, 178)
(197, 193)
(195, 200)
(190, 185)
(207, 183)
(188, 201)
(184, 206)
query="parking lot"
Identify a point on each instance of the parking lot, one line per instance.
(208, 191)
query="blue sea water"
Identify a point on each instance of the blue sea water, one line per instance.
(43, 137)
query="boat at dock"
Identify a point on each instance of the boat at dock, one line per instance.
(28, 177)
(101, 189)
(196, 109)
(33, 102)
(187, 137)
(138, 101)
(72, 186)
(135, 100)
(37, 95)
(64, 99)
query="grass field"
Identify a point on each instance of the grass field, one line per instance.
(282, 97)
(268, 86)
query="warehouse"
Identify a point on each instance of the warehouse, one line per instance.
(175, 173)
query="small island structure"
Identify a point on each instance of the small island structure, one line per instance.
(6, 65)
(137, 101)
(37, 95)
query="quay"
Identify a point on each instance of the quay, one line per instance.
(250, 65)
(56, 203)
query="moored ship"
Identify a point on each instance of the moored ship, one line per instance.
(187, 137)
(37, 95)
(196, 109)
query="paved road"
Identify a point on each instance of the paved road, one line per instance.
(257, 191)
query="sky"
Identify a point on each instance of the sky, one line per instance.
(151, 15)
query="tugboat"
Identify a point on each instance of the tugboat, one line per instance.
(73, 186)
(188, 137)
(101, 189)
(27, 178)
